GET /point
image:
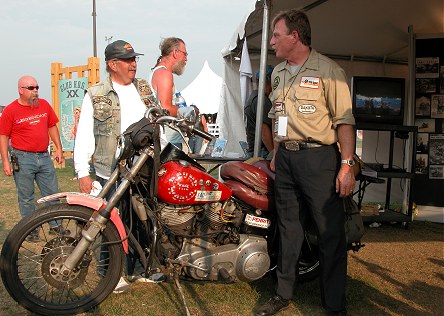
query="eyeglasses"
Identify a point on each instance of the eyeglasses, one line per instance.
(129, 60)
(185, 53)
(30, 88)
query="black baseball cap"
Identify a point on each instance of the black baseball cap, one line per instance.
(120, 49)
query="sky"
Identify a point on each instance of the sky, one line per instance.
(36, 33)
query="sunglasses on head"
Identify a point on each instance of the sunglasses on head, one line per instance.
(31, 87)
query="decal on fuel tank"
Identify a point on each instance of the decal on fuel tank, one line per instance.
(208, 195)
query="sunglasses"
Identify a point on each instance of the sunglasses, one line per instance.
(128, 60)
(31, 87)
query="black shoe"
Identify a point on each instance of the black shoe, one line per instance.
(59, 230)
(337, 313)
(274, 305)
(33, 236)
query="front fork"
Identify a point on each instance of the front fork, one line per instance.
(99, 219)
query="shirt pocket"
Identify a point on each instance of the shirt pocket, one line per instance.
(102, 111)
(103, 114)
(308, 105)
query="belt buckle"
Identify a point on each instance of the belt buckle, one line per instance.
(293, 146)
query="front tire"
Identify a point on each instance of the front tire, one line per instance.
(31, 260)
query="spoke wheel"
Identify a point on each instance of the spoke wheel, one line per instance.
(32, 259)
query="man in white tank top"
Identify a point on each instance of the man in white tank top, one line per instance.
(172, 60)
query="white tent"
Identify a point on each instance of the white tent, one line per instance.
(204, 91)
(364, 37)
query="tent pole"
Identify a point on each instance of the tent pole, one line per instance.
(261, 87)
(409, 117)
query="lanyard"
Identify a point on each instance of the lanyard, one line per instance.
(289, 87)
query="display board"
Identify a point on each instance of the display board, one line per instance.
(429, 117)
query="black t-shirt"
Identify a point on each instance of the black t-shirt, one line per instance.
(250, 117)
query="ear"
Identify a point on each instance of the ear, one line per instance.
(112, 65)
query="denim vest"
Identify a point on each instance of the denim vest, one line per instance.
(106, 107)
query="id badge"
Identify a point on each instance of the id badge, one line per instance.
(279, 106)
(282, 123)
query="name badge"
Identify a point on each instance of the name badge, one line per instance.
(282, 125)
(310, 82)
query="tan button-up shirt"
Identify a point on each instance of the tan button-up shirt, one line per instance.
(315, 99)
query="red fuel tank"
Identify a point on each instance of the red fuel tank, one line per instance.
(181, 183)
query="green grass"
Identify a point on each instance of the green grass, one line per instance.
(398, 272)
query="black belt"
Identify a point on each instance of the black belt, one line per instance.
(292, 145)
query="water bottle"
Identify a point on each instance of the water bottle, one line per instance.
(179, 100)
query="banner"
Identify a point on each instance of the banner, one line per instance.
(71, 93)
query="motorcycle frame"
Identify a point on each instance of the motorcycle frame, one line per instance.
(103, 212)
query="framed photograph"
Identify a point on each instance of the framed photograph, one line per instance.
(422, 143)
(436, 172)
(219, 147)
(209, 149)
(425, 85)
(441, 80)
(427, 67)
(421, 164)
(437, 106)
(425, 125)
(436, 149)
(244, 147)
(422, 106)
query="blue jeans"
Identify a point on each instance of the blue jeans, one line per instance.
(36, 167)
(195, 144)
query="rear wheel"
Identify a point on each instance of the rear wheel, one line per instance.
(308, 260)
(308, 263)
(32, 258)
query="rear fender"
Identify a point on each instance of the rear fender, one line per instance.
(94, 203)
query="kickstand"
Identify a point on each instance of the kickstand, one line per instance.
(179, 288)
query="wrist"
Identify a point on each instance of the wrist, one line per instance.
(348, 162)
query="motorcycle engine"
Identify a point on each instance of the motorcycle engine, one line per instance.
(247, 260)
(207, 238)
(219, 223)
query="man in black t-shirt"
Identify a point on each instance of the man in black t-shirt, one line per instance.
(250, 118)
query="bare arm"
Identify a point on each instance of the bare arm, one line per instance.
(204, 123)
(205, 127)
(345, 180)
(267, 137)
(276, 147)
(55, 137)
(163, 84)
(4, 141)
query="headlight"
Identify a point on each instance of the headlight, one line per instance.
(124, 147)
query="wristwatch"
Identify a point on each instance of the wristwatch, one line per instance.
(349, 162)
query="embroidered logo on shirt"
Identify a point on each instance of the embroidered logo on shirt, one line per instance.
(307, 109)
(310, 82)
(276, 82)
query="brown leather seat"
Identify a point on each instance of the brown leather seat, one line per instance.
(252, 183)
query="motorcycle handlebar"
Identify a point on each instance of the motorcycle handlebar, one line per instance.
(202, 134)
(156, 114)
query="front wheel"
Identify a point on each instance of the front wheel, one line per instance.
(34, 252)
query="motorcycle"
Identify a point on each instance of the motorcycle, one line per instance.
(176, 219)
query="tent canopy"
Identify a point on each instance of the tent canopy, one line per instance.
(204, 91)
(374, 30)
(348, 30)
